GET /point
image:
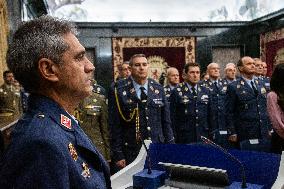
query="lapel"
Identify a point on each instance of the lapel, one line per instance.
(187, 90)
(131, 91)
(245, 87)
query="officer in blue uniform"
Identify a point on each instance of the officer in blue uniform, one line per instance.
(218, 90)
(265, 79)
(138, 110)
(172, 80)
(189, 105)
(48, 147)
(247, 119)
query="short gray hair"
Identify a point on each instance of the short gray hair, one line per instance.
(33, 40)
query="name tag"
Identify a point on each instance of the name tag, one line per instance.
(254, 141)
(223, 132)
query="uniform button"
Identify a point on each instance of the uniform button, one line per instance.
(102, 142)
(126, 144)
(219, 107)
(147, 117)
(196, 124)
(196, 117)
(258, 105)
(149, 128)
(217, 94)
(146, 108)
(196, 110)
(260, 121)
(40, 115)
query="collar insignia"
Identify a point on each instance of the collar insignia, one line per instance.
(65, 121)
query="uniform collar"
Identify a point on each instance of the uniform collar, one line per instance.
(48, 107)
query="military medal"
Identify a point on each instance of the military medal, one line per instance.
(178, 89)
(72, 151)
(151, 87)
(238, 86)
(95, 100)
(65, 121)
(263, 91)
(124, 93)
(224, 88)
(86, 171)
(180, 93)
(132, 90)
(242, 83)
(186, 89)
(157, 91)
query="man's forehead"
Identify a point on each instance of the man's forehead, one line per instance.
(140, 60)
(248, 60)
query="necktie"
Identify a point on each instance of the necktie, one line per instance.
(194, 92)
(143, 96)
(254, 88)
(216, 85)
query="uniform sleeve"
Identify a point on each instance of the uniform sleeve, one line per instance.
(275, 113)
(104, 129)
(115, 128)
(42, 165)
(173, 111)
(230, 103)
(167, 129)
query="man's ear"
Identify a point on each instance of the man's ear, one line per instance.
(48, 69)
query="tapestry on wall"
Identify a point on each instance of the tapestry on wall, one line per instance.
(272, 48)
(161, 52)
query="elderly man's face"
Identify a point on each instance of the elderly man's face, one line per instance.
(258, 67)
(173, 77)
(214, 71)
(231, 73)
(248, 66)
(76, 72)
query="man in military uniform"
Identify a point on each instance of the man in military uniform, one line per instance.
(48, 148)
(93, 117)
(190, 103)
(124, 71)
(230, 73)
(138, 110)
(218, 90)
(10, 105)
(265, 78)
(172, 79)
(247, 119)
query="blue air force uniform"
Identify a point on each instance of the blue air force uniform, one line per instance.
(49, 150)
(168, 90)
(218, 91)
(154, 118)
(266, 82)
(190, 113)
(246, 112)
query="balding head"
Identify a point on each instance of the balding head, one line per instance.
(213, 69)
(172, 76)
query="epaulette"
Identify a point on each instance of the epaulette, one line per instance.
(98, 89)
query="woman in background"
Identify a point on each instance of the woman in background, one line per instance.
(275, 108)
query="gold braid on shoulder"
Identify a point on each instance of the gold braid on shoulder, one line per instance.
(131, 115)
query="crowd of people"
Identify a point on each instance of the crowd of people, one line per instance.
(71, 130)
